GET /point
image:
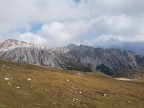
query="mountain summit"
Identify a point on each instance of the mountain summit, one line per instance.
(20, 51)
(75, 57)
(12, 44)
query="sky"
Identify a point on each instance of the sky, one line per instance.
(49, 23)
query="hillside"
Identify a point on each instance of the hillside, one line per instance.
(29, 86)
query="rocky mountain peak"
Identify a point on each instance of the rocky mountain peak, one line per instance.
(71, 45)
(12, 43)
(75, 57)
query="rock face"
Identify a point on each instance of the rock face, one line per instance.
(108, 61)
(19, 51)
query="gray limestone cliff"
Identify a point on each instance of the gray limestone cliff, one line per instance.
(75, 57)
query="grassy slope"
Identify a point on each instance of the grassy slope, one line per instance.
(55, 88)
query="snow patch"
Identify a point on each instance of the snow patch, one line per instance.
(125, 79)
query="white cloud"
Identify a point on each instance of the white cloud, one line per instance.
(32, 38)
(58, 33)
(113, 41)
(55, 30)
(136, 38)
(119, 23)
(92, 22)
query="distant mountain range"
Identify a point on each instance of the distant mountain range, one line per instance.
(137, 47)
(74, 57)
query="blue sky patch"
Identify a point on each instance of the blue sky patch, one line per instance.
(35, 27)
(77, 1)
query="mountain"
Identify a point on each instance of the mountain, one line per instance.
(109, 61)
(19, 51)
(12, 44)
(75, 57)
(137, 47)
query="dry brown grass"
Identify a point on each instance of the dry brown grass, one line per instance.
(56, 88)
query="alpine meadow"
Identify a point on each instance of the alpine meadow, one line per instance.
(71, 53)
